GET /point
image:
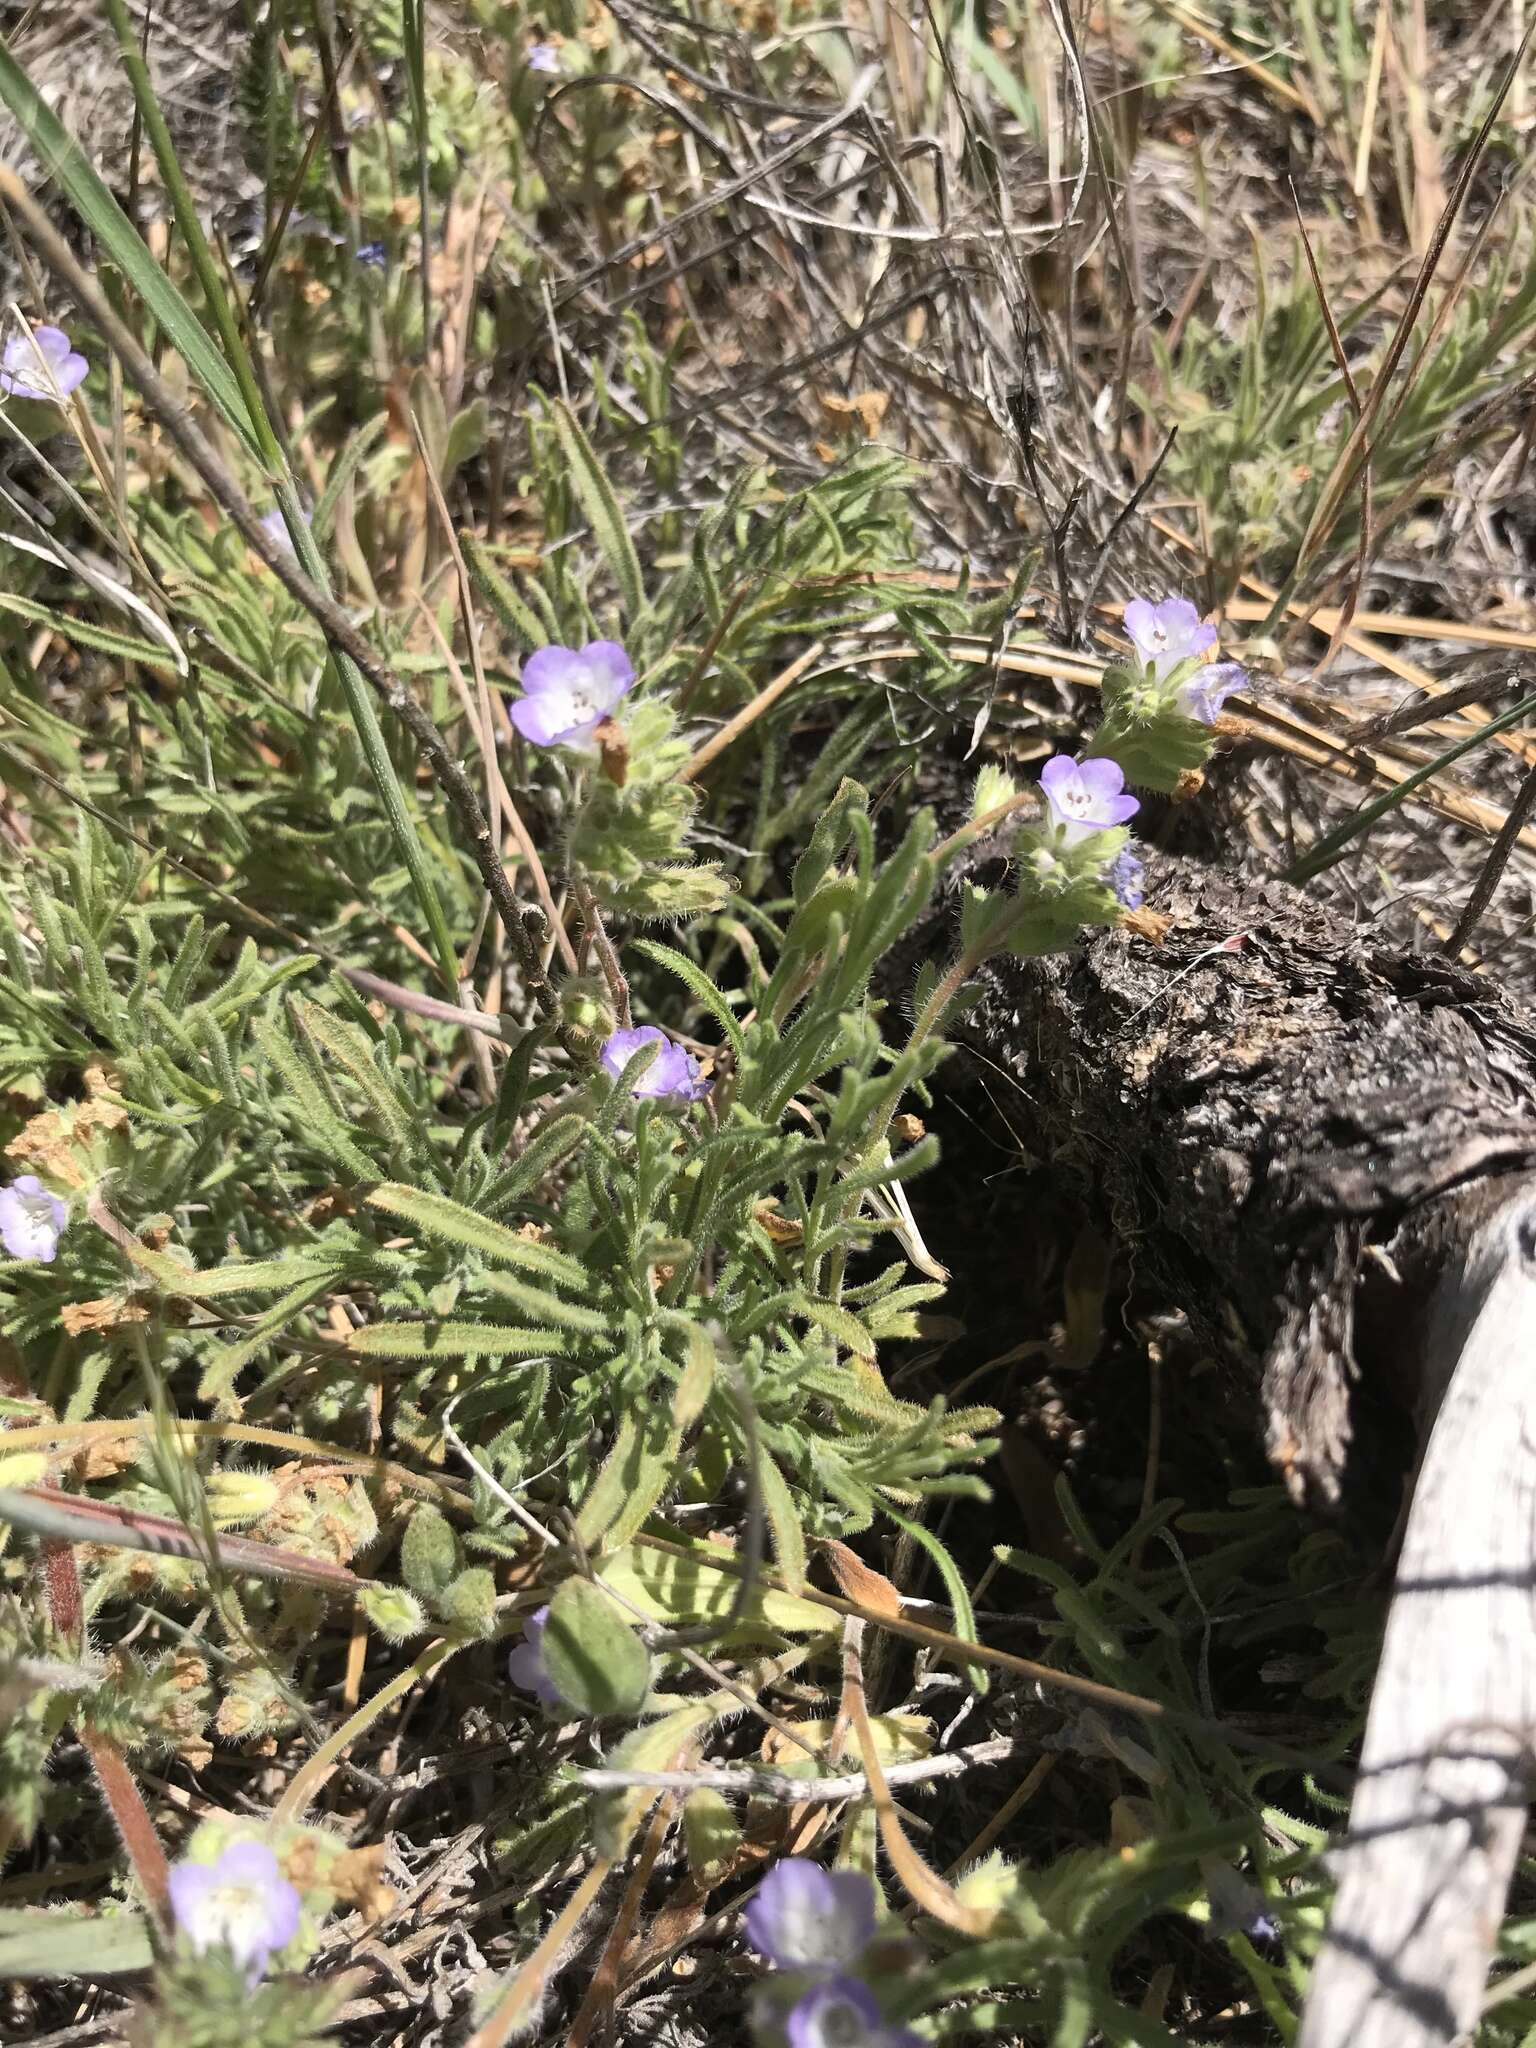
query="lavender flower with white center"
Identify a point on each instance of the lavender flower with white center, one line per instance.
(1127, 877)
(569, 691)
(22, 375)
(1166, 634)
(525, 1665)
(1085, 796)
(1209, 688)
(805, 1918)
(843, 2013)
(31, 1219)
(672, 1076)
(242, 1902)
(544, 57)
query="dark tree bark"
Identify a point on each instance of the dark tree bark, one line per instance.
(1324, 1151)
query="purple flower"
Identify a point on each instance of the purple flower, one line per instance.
(31, 1219)
(22, 375)
(1127, 877)
(525, 1665)
(1209, 688)
(544, 57)
(805, 1918)
(672, 1076)
(373, 255)
(242, 1902)
(568, 692)
(1166, 634)
(843, 2013)
(1085, 796)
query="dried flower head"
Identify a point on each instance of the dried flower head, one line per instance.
(241, 1902)
(805, 1918)
(1209, 688)
(569, 691)
(1086, 796)
(31, 1219)
(672, 1076)
(41, 365)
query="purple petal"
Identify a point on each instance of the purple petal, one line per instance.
(841, 2014)
(673, 1074)
(803, 1917)
(1058, 774)
(1180, 620)
(249, 1863)
(1127, 877)
(550, 721)
(621, 1047)
(190, 1884)
(1102, 778)
(550, 668)
(1209, 688)
(611, 671)
(1140, 620)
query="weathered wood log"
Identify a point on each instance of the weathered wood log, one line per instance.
(1322, 1150)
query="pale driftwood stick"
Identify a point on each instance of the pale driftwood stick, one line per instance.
(1440, 1807)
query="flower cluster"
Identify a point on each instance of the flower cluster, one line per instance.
(41, 365)
(1172, 639)
(817, 1926)
(31, 1219)
(240, 1902)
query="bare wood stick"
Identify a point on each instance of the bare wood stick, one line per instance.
(1440, 1807)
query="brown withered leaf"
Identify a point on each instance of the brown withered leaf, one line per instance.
(109, 1312)
(867, 407)
(860, 1581)
(613, 742)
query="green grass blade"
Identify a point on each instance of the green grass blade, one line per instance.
(1330, 850)
(115, 235)
(590, 482)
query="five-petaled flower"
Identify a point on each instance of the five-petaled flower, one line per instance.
(525, 1665)
(241, 1902)
(31, 1219)
(569, 691)
(544, 57)
(672, 1076)
(805, 1918)
(1128, 878)
(60, 370)
(1209, 688)
(1086, 796)
(843, 2013)
(1166, 634)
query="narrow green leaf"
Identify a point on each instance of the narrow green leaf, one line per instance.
(837, 1322)
(439, 1217)
(533, 1301)
(635, 1474)
(260, 1276)
(454, 1340)
(323, 1124)
(788, 1537)
(590, 483)
(351, 1051)
(698, 983)
(959, 1594)
(69, 1942)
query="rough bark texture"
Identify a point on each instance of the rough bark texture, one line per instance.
(1290, 1127)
